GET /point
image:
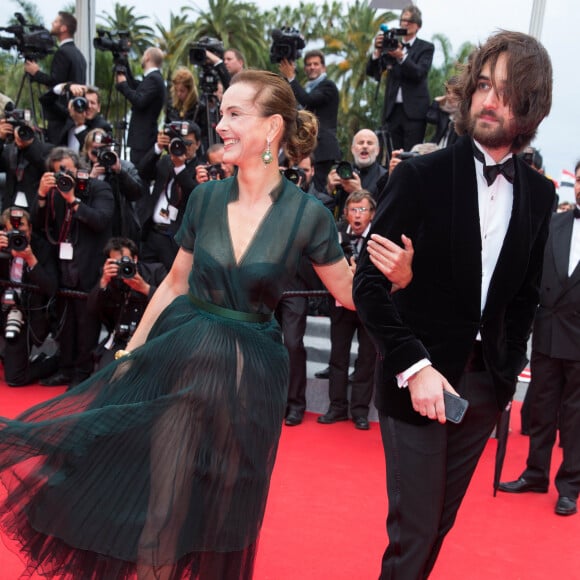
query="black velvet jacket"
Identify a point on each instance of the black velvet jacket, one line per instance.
(433, 200)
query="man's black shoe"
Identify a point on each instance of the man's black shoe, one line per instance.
(56, 380)
(293, 418)
(566, 506)
(361, 423)
(323, 374)
(522, 485)
(331, 417)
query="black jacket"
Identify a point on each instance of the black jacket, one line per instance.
(433, 199)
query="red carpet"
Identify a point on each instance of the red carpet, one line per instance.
(326, 511)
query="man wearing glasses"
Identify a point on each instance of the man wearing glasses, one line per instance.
(407, 94)
(358, 212)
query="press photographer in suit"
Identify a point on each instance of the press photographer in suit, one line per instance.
(406, 94)
(74, 213)
(25, 258)
(68, 66)
(120, 297)
(147, 100)
(479, 218)
(320, 96)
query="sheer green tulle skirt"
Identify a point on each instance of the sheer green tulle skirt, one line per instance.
(159, 465)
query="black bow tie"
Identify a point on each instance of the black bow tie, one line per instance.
(490, 172)
(577, 212)
(406, 45)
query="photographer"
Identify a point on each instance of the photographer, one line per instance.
(126, 183)
(147, 99)
(365, 173)
(407, 94)
(68, 66)
(215, 167)
(25, 259)
(122, 294)
(171, 163)
(84, 114)
(320, 96)
(22, 158)
(75, 214)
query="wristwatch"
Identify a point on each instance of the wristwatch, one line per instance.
(76, 202)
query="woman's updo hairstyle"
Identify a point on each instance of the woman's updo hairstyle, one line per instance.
(275, 97)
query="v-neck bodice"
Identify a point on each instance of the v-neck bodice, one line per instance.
(296, 224)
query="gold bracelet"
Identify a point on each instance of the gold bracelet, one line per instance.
(121, 353)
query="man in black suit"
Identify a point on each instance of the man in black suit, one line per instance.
(23, 161)
(407, 93)
(25, 313)
(320, 96)
(68, 66)
(147, 99)
(75, 214)
(554, 392)
(161, 212)
(478, 217)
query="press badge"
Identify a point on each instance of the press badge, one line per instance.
(65, 251)
(173, 211)
(21, 200)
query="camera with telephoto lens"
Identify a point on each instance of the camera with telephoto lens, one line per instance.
(117, 42)
(106, 155)
(65, 180)
(177, 130)
(345, 170)
(17, 240)
(287, 43)
(127, 268)
(14, 315)
(79, 104)
(197, 51)
(19, 119)
(32, 42)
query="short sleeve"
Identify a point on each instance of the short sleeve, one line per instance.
(185, 236)
(323, 247)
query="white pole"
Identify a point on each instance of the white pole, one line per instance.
(85, 15)
(537, 18)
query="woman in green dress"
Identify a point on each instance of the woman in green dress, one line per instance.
(159, 465)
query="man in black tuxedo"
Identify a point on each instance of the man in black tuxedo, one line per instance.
(161, 212)
(147, 99)
(554, 392)
(478, 217)
(320, 96)
(407, 93)
(68, 66)
(23, 161)
(75, 214)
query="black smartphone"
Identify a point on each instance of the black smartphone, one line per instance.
(455, 407)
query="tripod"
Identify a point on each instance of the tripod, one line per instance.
(27, 80)
(119, 122)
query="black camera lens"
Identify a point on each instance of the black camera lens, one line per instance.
(25, 132)
(127, 268)
(17, 241)
(64, 182)
(177, 147)
(106, 157)
(80, 104)
(345, 170)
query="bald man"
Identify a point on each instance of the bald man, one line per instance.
(147, 99)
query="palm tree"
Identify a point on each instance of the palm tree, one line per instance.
(173, 41)
(236, 24)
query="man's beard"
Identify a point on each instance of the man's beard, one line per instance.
(364, 163)
(500, 136)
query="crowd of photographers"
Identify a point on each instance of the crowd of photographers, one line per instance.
(87, 235)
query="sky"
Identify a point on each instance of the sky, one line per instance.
(460, 20)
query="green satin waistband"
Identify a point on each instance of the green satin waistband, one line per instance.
(227, 313)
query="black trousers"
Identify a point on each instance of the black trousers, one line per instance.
(291, 314)
(554, 400)
(159, 247)
(405, 132)
(343, 325)
(428, 471)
